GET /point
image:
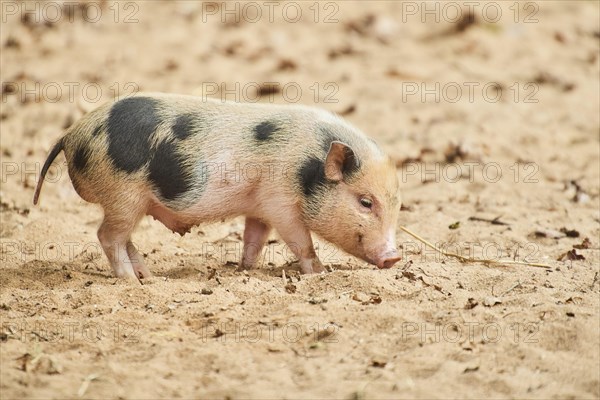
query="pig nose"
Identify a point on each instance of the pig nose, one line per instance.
(388, 260)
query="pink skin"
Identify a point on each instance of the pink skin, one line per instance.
(387, 260)
(387, 255)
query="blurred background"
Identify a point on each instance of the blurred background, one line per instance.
(489, 109)
(508, 78)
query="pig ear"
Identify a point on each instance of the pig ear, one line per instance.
(340, 159)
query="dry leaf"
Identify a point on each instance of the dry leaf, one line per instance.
(572, 233)
(378, 363)
(290, 288)
(471, 303)
(586, 244)
(570, 255)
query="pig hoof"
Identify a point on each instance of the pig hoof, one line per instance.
(141, 275)
(152, 280)
(312, 266)
(142, 272)
(129, 278)
(318, 268)
(244, 266)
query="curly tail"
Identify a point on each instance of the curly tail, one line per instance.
(58, 147)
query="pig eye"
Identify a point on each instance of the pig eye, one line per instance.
(366, 203)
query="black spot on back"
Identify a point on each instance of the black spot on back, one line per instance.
(185, 125)
(168, 172)
(80, 157)
(312, 175)
(131, 122)
(266, 130)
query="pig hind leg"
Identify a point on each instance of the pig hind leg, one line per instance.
(115, 237)
(137, 261)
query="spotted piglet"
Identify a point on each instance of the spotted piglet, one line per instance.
(187, 160)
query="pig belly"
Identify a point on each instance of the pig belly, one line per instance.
(220, 200)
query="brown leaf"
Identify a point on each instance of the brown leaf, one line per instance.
(290, 288)
(378, 363)
(586, 244)
(362, 25)
(287, 64)
(572, 233)
(410, 275)
(467, 20)
(471, 303)
(455, 152)
(267, 89)
(218, 333)
(570, 255)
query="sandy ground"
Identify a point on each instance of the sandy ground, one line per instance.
(495, 116)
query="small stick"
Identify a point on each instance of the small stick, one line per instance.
(495, 221)
(283, 277)
(471, 259)
(513, 287)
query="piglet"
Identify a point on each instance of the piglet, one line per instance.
(187, 160)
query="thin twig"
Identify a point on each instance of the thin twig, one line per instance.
(471, 259)
(495, 221)
(513, 287)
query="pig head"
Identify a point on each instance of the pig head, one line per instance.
(354, 202)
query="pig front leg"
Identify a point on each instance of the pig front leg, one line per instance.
(255, 236)
(298, 239)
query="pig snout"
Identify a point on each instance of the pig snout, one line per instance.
(388, 259)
